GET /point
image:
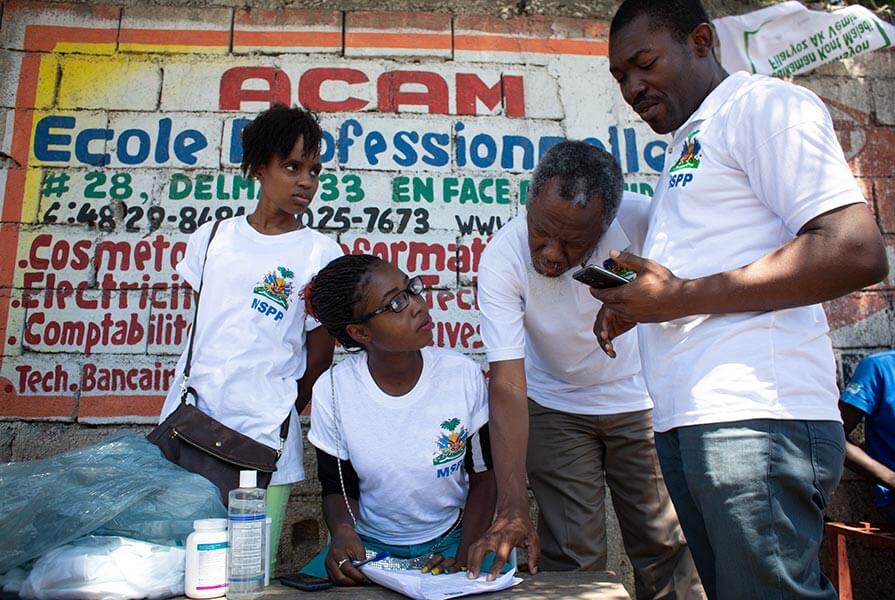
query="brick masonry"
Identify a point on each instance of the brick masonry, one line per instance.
(119, 135)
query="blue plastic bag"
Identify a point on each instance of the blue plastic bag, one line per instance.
(122, 486)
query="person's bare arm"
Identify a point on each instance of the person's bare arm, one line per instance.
(856, 458)
(478, 511)
(835, 253)
(345, 542)
(508, 423)
(320, 356)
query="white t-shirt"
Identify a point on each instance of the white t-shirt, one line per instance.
(249, 349)
(549, 322)
(756, 162)
(407, 450)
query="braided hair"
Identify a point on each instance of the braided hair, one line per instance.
(332, 295)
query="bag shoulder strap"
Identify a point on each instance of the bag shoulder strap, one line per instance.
(332, 397)
(185, 389)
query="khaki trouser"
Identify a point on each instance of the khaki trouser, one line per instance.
(570, 457)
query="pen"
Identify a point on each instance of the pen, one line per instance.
(377, 556)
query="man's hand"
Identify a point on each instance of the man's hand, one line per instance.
(346, 546)
(795, 274)
(654, 297)
(608, 326)
(507, 532)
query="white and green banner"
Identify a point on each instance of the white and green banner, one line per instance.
(788, 39)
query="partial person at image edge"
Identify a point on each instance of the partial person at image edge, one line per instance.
(870, 396)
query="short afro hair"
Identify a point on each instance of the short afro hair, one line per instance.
(274, 132)
(679, 17)
(584, 172)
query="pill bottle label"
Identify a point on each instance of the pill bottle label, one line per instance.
(212, 563)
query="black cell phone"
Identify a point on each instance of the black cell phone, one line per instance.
(306, 583)
(598, 277)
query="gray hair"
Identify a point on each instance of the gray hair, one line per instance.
(584, 171)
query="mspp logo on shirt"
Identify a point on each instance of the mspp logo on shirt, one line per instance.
(449, 446)
(691, 155)
(276, 289)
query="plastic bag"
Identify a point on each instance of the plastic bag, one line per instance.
(121, 486)
(107, 568)
(12, 580)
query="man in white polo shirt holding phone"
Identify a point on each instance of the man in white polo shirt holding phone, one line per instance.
(586, 419)
(756, 220)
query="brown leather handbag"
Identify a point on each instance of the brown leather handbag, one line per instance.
(203, 445)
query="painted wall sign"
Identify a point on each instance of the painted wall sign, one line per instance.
(122, 127)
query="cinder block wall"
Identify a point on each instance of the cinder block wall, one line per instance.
(119, 126)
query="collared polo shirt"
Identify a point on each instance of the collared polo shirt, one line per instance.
(755, 163)
(549, 321)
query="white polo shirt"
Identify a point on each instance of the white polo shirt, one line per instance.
(755, 163)
(549, 322)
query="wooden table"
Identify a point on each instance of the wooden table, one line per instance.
(837, 534)
(574, 585)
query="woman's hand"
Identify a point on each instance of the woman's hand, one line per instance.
(439, 564)
(346, 547)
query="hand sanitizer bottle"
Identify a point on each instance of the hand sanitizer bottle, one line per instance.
(246, 525)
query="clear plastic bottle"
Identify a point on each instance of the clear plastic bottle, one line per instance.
(247, 548)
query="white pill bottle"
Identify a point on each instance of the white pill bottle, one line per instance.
(205, 575)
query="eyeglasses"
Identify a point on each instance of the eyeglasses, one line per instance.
(399, 301)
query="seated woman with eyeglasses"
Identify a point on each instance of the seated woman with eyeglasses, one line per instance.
(407, 422)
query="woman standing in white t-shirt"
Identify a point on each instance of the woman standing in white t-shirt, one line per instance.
(400, 428)
(256, 353)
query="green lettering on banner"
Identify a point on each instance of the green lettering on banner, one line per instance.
(202, 190)
(523, 192)
(401, 189)
(828, 47)
(454, 190)
(220, 192)
(206, 186)
(180, 187)
(640, 188)
(354, 192)
(241, 184)
(423, 189)
(502, 191)
(449, 189)
(329, 189)
(468, 192)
